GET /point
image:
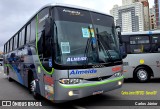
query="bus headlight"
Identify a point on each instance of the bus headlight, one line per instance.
(70, 93)
(119, 83)
(118, 74)
(70, 81)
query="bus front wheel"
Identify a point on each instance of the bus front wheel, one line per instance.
(142, 75)
(9, 78)
(33, 88)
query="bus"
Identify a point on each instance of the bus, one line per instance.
(143, 55)
(64, 53)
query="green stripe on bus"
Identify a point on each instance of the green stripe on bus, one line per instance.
(10, 66)
(50, 73)
(92, 84)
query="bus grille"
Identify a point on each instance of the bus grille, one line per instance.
(98, 78)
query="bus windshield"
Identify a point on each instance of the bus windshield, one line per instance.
(84, 37)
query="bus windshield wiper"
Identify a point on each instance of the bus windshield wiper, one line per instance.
(100, 45)
(89, 42)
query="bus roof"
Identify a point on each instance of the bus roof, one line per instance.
(75, 6)
(141, 32)
(69, 6)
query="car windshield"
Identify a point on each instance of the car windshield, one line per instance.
(84, 37)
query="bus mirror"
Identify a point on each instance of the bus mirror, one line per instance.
(118, 30)
(124, 55)
(48, 27)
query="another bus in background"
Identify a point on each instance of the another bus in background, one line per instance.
(143, 55)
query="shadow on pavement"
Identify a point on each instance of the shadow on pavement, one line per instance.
(95, 100)
(131, 80)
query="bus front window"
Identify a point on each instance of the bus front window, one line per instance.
(79, 42)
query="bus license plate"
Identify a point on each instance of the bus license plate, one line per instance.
(98, 92)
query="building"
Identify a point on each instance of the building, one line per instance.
(128, 2)
(152, 13)
(145, 13)
(133, 15)
(157, 12)
(114, 12)
(130, 17)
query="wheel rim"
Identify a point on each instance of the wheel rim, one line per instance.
(33, 86)
(142, 74)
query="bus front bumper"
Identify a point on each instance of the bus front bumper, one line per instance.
(66, 92)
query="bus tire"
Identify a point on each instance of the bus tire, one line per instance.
(142, 74)
(10, 79)
(32, 88)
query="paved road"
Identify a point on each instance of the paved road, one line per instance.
(14, 91)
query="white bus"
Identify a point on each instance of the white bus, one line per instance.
(65, 52)
(143, 55)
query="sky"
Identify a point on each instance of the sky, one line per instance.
(15, 13)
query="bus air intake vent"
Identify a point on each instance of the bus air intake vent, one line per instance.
(98, 78)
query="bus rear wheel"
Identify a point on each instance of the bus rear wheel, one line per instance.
(142, 75)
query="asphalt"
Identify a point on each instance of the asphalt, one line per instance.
(116, 99)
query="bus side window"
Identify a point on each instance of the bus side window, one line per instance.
(4, 49)
(20, 39)
(33, 30)
(11, 44)
(155, 43)
(7, 48)
(44, 49)
(156, 47)
(42, 40)
(23, 37)
(28, 33)
(140, 44)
